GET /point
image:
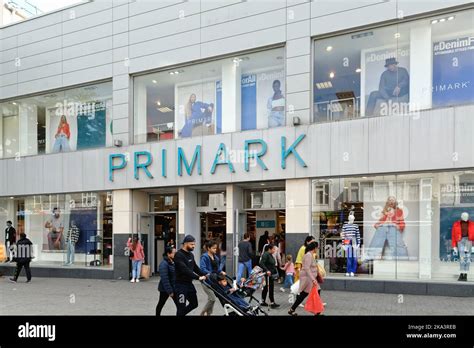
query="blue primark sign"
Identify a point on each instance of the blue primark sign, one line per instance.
(143, 159)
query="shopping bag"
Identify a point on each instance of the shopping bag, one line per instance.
(314, 304)
(321, 270)
(145, 271)
(3, 252)
(295, 288)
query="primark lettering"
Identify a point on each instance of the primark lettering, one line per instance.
(254, 151)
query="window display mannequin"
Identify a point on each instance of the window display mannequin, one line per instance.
(351, 240)
(389, 229)
(72, 237)
(462, 236)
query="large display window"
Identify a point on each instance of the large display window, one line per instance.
(242, 92)
(413, 226)
(398, 69)
(70, 120)
(65, 229)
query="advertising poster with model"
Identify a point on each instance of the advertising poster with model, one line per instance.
(391, 229)
(385, 80)
(453, 71)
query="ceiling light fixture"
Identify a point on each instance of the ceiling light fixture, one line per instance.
(329, 48)
(331, 74)
(154, 81)
(165, 109)
(441, 20)
(358, 70)
(323, 85)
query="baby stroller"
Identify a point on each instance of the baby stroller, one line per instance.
(235, 303)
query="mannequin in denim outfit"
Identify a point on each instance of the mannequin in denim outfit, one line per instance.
(389, 229)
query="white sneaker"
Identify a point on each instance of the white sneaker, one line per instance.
(347, 274)
(324, 304)
(137, 281)
(133, 280)
(352, 274)
(301, 305)
(282, 290)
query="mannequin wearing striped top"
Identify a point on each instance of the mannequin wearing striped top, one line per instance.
(351, 238)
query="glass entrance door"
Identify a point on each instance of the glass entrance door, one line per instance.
(165, 228)
(145, 233)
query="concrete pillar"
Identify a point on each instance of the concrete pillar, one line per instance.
(188, 218)
(140, 112)
(420, 66)
(426, 228)
(127, 204)
(234, 201)
(298, 213)
(231, 120)
(28, 125)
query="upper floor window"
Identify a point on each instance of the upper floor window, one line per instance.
(398, 69)
(70, 120)
(242, 92)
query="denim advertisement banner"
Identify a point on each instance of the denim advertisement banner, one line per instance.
(453, 71)
(196, 109)
(384, 68)
(391, 230)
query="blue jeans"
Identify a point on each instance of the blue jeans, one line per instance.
(464, 248)
(61, 144)
(276, 119)
(242, 266)
(396, 246)
(351, 254)
(136, 269)
(71, 249)
(288, 281)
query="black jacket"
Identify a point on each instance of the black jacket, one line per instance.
(268, 263)
(24, 250)
(186, 268)
(167, 275)
(245, 251)
(10, 235)
(261, 243)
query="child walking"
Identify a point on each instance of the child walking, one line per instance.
(289, 269)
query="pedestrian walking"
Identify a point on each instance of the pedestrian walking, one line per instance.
(308, 276)
(137, 255)
(300, 255)
(289, 269)
(23, 257)
(268, 264)
(166, 287)
(210, 263)
(186, 270)
(245, 256)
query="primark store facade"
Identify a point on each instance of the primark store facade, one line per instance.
(216, 118)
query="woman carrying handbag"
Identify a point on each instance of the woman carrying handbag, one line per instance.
(309, 279)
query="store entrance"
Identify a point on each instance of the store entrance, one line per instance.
(164, 235)
(156, 231)
(213, 226)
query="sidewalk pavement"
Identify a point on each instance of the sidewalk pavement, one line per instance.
(59, 296)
